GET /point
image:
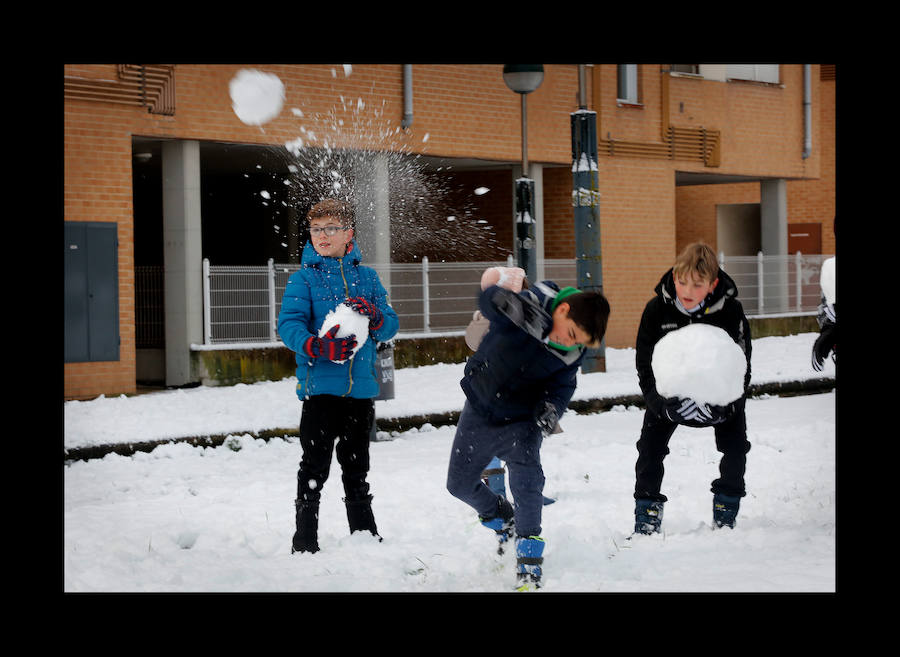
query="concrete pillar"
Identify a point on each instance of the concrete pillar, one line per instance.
(373, 214)
(773, 216)
(182, 257)
(774, 241)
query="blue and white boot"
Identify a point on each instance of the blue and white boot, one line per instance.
(529, 562)
(502, 522)
(494, 477)
(725, 510)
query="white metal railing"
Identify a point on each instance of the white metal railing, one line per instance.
(776, 285)
(241, 303)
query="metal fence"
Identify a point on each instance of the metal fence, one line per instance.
(776, 285)
(241, 303)
(149, 307)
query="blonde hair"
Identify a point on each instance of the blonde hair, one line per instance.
(698, 259)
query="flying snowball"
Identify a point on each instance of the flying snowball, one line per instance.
(351, 322)
(256, 97)
(701, 362)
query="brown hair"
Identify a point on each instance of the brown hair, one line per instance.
(332, 207)
(590, 311)
(699, 259)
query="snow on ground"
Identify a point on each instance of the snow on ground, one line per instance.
(187, 519)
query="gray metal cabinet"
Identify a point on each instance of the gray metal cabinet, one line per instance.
(91, 292)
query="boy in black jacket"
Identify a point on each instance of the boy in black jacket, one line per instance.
(518, 384)
(694, 290)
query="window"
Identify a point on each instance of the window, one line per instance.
(627, 90)
(755, 72)
(693, 69)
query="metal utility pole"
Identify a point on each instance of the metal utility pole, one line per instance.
(586, 203)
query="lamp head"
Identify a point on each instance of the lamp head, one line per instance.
(523, 78)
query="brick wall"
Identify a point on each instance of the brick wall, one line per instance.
(97, 187)
(637, 227)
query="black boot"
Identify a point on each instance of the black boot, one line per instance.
(306, 538)
(648, 515)
(360, 516)
(725, 510)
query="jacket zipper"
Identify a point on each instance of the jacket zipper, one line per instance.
(347, 294)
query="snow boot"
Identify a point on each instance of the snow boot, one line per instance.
(529, 562)
(502, 522)
(360, 516)
(648, 515)
(725, 509)
(306, 537)
(494, 477)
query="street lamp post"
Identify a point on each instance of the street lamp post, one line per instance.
(523, 79)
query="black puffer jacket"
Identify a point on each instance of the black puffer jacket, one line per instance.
(514, 369)
(720, 308)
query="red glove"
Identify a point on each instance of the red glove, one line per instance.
(329, 346)
(360, 305)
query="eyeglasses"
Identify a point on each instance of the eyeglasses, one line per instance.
(328, 230)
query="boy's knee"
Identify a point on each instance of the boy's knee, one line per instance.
(453, 486)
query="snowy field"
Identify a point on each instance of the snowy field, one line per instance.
(198, 519)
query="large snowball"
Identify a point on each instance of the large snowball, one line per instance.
(701, 362)
(256, 97)
(351, 322)
(828, 280)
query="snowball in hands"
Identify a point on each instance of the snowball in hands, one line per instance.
(507, 277)
(700, 362)
(352, 323)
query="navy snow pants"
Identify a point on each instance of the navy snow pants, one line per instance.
(477, 441)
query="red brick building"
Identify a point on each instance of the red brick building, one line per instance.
(154, 153)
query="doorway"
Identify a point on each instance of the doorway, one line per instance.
(738, 231)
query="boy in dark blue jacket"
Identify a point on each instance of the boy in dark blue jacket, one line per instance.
(337, 387)
(517, 385)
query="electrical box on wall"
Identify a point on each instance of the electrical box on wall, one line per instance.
(91, 322)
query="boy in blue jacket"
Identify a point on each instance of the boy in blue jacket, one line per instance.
(337, 387)
(517, 385)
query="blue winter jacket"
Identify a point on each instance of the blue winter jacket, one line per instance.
(311, 293)
(514, 369)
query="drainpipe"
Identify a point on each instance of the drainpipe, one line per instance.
(807, 111)
(582, 87)
(407, 96)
